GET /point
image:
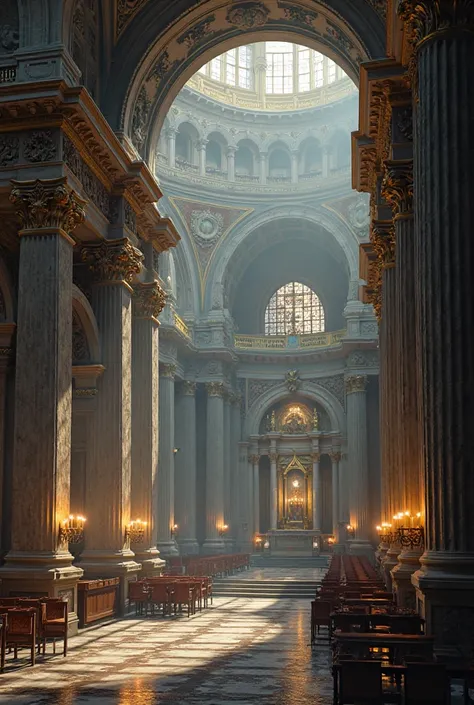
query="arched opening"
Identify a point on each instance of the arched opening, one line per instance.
(294, 309)
(279, 162)
(186, 145)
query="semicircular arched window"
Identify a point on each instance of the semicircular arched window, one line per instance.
(294, 309)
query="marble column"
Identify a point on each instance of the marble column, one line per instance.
(39, 561)
(231, 150)
(336, 514)
(113, 265)
(263, 167)
(273, 456)
(235, 476)
(215, 521)
(317, 490)
(358, 463)
(443, 38)
(171, 135)
(326, 155)
(227, 473)
(294, 166)
(201, 146)
(251, 505)
(6, 358)
(186, 469)
(166, 542)
(245, 532)
(148, 302)
(255, 461)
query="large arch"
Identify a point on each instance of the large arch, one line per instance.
(309, 390)
(228, 246)
(160, 50)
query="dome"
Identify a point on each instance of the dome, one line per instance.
(272, 76)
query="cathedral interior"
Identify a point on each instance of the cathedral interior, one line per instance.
(235, 368)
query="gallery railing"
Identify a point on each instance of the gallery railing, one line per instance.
(288, 342)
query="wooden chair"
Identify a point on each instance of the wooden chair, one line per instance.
(160, 596)
(54, 623)
(8, 601)
(21, 630)
(183, 594)
(426, 684)
(320, 617)
(3, 634)
(138, 594)
(360, 682)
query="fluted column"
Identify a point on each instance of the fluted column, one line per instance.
(358, 462)
(443, 39)
(336, 514)
(214, 542)
(38, 561)
(273, 456)
(227, 472)
(255, 462)
(185, 469)
(6, 358)
(235, 477)
(166, 542)
(148, 302)
(245, 532)
(171, 135)
(113, 265)
(317, 491)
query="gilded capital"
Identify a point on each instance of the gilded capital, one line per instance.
(254, 459)
(374, 287)
(273, 457)
(427, 18)
(189, 388)
(149, 299)
(315, 457)
(335, 456)
(168, 370)
(113, 260)
(397, 186)
(215, 389)
(49, 203)
(356, 383)
(382, 237)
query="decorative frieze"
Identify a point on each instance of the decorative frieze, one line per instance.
(47, 204)
(92, 186)
(39, 147)
(197, 33)
(356, 383)
(149, 299)
(9, 149)
(248, 16)
(113, 260)
(215, 389)
(298, 15)
(126, 10)
(334, 385)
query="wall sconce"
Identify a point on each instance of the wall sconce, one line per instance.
(71, 530)
(135, 531)
(174, 531)
(175, 450)
(223, 530)
(350, 531)
(331, 540)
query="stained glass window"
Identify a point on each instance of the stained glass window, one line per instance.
(294, 309)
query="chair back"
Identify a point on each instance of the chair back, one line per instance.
(8, 601)
(55, 610)
(320, 609)
(426, 684)
(21, 622)
(137, 590)
(159, 592)
(182, 592)
(361, 682)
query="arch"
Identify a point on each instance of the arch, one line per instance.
(216, 152)
(83, 310)
(309, 302)
(279, 160)
(308, 390)
(341, 232)
(155, 63)
(7, 297)
(340, 143)
(187, 138)
(246, 157)
(311, 156)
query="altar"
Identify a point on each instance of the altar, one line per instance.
(294, 542)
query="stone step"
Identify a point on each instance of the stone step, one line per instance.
(274, 589)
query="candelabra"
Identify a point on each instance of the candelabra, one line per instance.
(71, 530)
(174, 531)
(411, 537)
(135, 531)
(223, 530)
(350, 531)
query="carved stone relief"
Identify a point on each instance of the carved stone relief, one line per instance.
(197, 33)
(140, 118)
(298, 15)
(126, 10)
(359, 215)
(9, 36)
(206, 226)
(369, 328)
(258, 387)
(9, 149)
(248, 15)
(334, 385)
(39, 147)
(357, 358)
(80, 346)
(93, 188)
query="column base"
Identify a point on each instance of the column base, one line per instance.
(112, 564)
(151, 563)
(408, 563)
(229, 545)
(213, 546)
(445, 598)
(362, 547)
(188, 547)
(168, 548)
(43, 574)
(391, 560)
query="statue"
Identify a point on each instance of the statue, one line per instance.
(315, 420)
(293, 380)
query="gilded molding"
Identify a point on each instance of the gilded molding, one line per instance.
(248, 16)
(189, 388)
(355, 383)
(85, 392)
(46, 204)
(382, 236)
(113, 260)
(168, 370)
(428, 18)
(215, 389)
(397, 186)
(149, 299)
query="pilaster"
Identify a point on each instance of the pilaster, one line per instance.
(166, 542)
(214, 542)
(185, 469)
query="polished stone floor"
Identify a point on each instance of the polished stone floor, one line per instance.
(239, 651)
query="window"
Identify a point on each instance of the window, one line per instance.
(279, 57)
(230, 67)
(294, 309)
(331, 71)
(318, 62)
(304, 75)
(245, 66)
(215, 68)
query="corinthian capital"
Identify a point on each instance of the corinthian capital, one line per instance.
(148, 299)
(189, 388)
(113, 260)
(397, 186)
(168, 370)
(382, 236)
(44, 204)
(356, 383)
(215, 389)
(426, 18)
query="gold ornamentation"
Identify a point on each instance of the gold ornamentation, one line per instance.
(273, 457)
(189, 388)
(397, 186)
(248, 16)
(113, 260)
(47, 204)
(181, 325)
(426, 18)
(168, 370)
(315, 420)
(215, 389)
(315, 457)
(254, 459)
(149, 299)
(273, 424)
(382, 236)
(335, 456)
(356, 383)
(292, 380)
